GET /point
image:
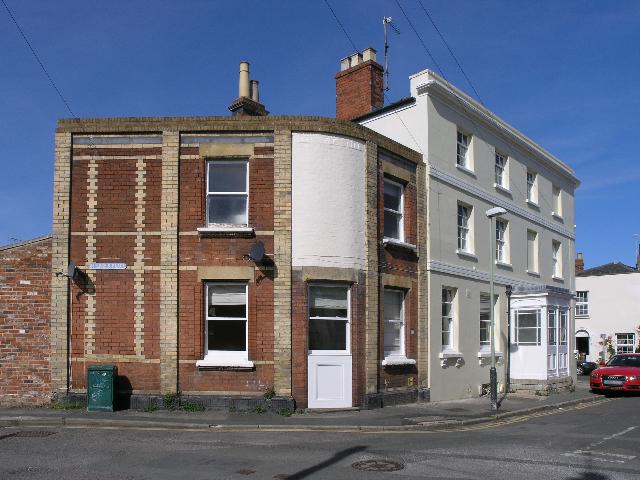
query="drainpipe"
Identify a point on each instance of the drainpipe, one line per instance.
(509, 289)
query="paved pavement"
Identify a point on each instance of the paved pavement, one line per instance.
(594, 441)
(434, 415)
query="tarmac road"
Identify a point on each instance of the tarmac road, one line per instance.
(593, 442)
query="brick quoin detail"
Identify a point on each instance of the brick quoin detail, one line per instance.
(25, 344)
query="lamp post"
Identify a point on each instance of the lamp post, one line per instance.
(492, 213)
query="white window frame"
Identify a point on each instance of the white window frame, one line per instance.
(556, 194)
(532, 187)
(403, 352)
(517, 327)
(347, 349)
(464, 229)
(552, 326)
(450, 345)
(625, 342)
(486, 324)
(225, 356)
(532, 263)
(501, 173)
(502, 241)
(463, 144)
(556, 258)
(563, 326)
(400, 213)
(227, 161)
(582, 303)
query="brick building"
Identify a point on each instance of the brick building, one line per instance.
(25, 292)
(167, 220)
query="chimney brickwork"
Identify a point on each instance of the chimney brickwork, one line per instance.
(359, 86)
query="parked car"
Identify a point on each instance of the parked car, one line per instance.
(585, 368)
(621, 373)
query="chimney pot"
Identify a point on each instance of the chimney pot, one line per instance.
(369, 54)
(243, 85)
(579, 263)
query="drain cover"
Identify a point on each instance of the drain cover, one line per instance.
(33, 433)
(378, 466)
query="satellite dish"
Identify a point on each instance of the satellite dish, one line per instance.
(257, 252)
(72, 270)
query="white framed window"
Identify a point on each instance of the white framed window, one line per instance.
(226, 318)
(227, 192)
(582, 303)
(448, 312)
(532, 187)
(329, 319)
(393, 210)
(552, 326)
(527, 327)
(625, 342)
(556, 258)
(557, 201)
(464, 227)
(564, 325)
(394, 345)
(485, 321)
(502, 246)
(462, 157)
(532, 251)
(501, 171)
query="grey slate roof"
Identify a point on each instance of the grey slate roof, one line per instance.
(616, 268)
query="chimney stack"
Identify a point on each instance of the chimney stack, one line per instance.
(359, 85)
(248, 101)
(579, 263)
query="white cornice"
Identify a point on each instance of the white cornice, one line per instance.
(460, 271)
(498, 201)
(440, 86)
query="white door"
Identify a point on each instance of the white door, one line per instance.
(329, 359)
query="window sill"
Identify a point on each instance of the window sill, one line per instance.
(226, 231)
(466, 170)
(398, 243)
(450, 354)
(586, 315)
(487, 354)
(506, 265)
(557, 279)
(533, 274)
(533, 204)
(502, 189)
(557, 216)
(464, 253)
(222, 364)
(447, 357)
(393, 361)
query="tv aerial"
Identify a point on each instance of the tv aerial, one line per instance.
(387, 21)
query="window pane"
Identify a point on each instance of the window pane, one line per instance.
(328, 302)
(392, 196)
(393, 322)
(527, 320)
(227, 176)
(229, 335)
(227, 301)
(391, 225)
(528, 335)
(327, 334)
(227, 209)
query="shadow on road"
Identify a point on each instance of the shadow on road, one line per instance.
(334, 459)
(589, 476)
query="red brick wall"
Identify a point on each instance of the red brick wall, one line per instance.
(25, 299)
(359, 90)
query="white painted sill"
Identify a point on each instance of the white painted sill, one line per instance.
(222, 363)
(533, 274)
(450, 354)
(487, 354)
(398, 243)
(533, 204)
(464, 253)
(557, 216)
(557, 279)
(466, 170)
(502, 189)
(397, 360)
(225, 229)
(504, 264)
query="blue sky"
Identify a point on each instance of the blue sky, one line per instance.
(565, 73)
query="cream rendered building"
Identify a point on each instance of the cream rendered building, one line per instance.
(476, 161)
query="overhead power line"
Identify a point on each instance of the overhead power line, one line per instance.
(355, 49)
(37, 57)
(446, 44)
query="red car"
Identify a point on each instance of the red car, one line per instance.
(620, 374)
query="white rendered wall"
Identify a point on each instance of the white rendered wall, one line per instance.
(328, 201)
(614, 306)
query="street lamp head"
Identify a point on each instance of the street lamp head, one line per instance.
(495, 211)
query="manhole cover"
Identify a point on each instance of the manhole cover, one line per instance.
(378, 466)
(33, 433)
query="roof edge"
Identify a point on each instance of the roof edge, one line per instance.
(24, 243)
